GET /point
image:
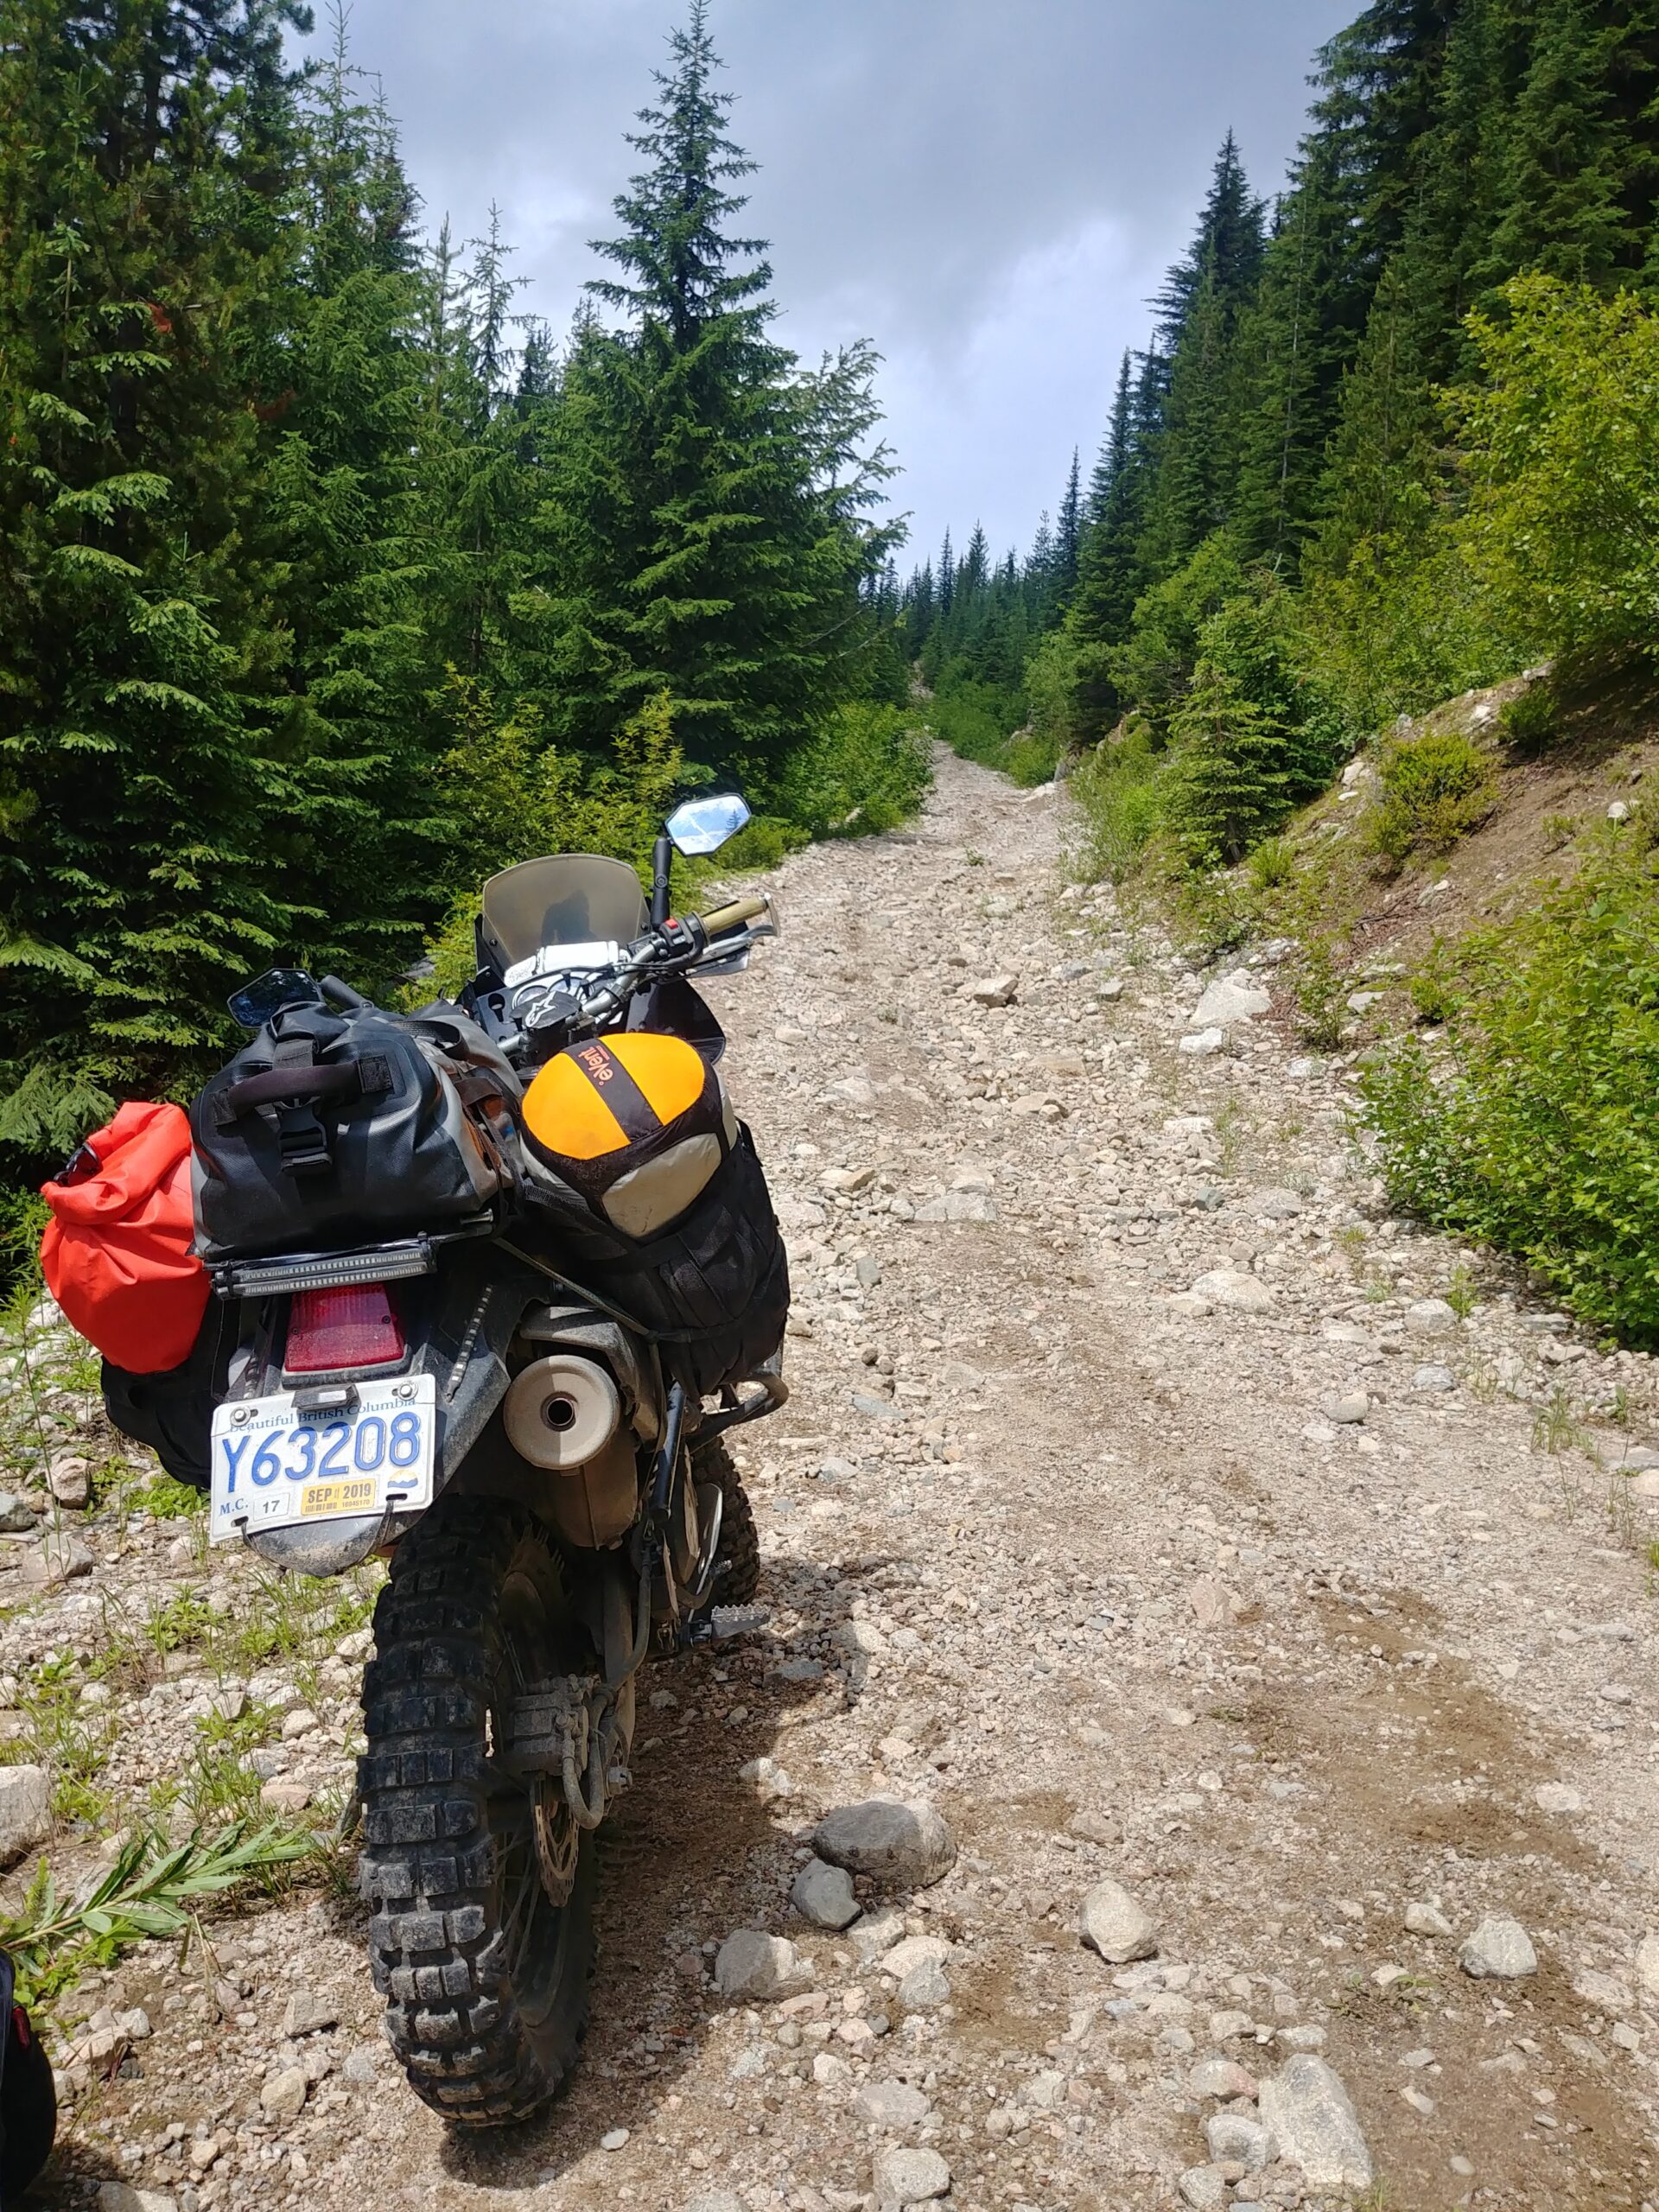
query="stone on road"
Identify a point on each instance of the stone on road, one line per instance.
(1311, 2117)
(909, 1844)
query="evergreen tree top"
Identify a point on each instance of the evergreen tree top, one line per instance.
(678, 259)
(1225, 255)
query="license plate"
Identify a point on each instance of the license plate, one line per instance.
(273, 1465)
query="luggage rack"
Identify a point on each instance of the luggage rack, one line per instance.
(293, 1271)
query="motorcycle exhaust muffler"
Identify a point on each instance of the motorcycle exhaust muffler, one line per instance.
(561, 1412)
(564, 1414)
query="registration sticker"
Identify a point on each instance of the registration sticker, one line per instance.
(274, 1464)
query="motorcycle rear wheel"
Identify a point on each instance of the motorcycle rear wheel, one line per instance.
(480, 1889)
(737, 1573)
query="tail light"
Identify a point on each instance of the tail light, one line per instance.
(328, 1330)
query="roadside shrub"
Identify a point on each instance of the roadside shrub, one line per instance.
(1155, 664)
(865, 771)
(1562, 444)
(1531, 723)
(1117, 791)
(1533, 1123)
(1404, 625)
(1436, 788)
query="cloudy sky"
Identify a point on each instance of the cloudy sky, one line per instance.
(989, 189)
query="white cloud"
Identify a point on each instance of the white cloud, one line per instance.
(987, 191)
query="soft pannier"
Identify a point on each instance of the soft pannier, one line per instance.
(713, 1290)
(117, 1253)
(334, 1129)
(172, 1412)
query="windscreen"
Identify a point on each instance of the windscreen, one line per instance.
(570, 898)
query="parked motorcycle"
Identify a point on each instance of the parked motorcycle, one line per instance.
(516, 1391)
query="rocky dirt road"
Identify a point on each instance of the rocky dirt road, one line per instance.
(1231, 1567)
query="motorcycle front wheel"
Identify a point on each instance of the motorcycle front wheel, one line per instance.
(480, 1885)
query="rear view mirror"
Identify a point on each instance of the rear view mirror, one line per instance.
(703, 825)
(264, 998)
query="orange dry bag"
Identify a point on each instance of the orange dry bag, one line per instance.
(118, 1251)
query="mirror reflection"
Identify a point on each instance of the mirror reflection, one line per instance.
(703, 825)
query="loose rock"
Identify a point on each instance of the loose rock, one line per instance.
(753, 1965)
(824, 1895)
(910, 2178)
(1313, 2124)
(1112, 1923)
(307, 2014)
(910, 1844)
(58, 1557)
(1205, 2189)
(1233, 999)
(1500, 1950)
(25, 1810)
(69, 1478)
(282, 2097)
(890, 2104)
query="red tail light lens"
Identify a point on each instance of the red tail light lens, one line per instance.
(331, 1329)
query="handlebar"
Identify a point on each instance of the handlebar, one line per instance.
(733, 916)
(669, 947)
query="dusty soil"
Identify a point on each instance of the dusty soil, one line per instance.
(1103, 1577)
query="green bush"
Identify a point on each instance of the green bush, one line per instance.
(1436, 788)
(865, 771)
(1119, 795)
(1154, 666)
(1531, 723)
(1404, 625)
(976, 719)
(1562, 440)
(1534, 1125)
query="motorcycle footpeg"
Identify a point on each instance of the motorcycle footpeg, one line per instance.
(725, 1623)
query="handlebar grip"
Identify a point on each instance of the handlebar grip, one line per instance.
(733, 916)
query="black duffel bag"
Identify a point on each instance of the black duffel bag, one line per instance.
(334, 1129)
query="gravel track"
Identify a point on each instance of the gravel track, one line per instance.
(1121, 1586)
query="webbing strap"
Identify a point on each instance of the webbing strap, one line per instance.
(635, 1115)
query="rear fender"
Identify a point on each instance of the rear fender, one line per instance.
(461, 1341)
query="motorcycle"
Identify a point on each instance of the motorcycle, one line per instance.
(485, 1403)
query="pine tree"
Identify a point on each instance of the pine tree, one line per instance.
(356, 502)
(148, 784)
(1203, 307)
(1231, 786)
(1069, 531)
(1109, 577)
(705, 527)
(1570, 161)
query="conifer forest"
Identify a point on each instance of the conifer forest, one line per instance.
(331, 577)
(1021, 1574)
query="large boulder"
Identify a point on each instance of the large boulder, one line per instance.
(910, 1844)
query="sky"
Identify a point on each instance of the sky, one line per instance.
(988, 190)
